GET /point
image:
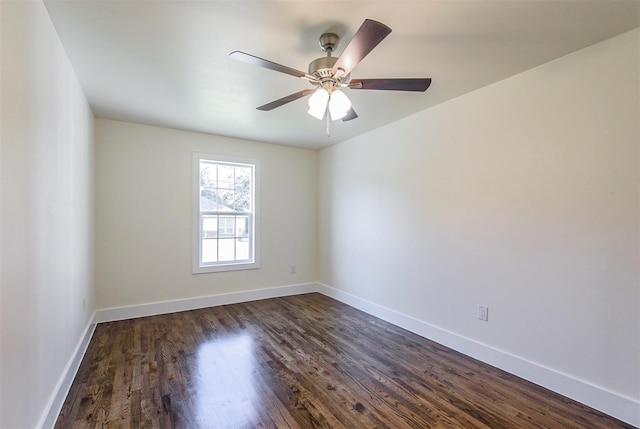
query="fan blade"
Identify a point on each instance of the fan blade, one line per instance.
(368, 36)
(257, 61)
(391, 84)
(351, 114)
(285, 100)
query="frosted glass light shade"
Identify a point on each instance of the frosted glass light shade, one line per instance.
(318, 103)
(339, 104)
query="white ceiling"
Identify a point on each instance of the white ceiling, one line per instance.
(166, 63)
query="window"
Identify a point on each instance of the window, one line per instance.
(225, 210)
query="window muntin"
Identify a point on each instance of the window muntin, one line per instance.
(225, 211)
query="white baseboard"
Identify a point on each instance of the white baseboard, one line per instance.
(618, 406)
(164, 307)
(52, 410)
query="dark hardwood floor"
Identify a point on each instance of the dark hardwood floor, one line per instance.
(304, 361)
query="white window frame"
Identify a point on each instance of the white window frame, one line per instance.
(198, 266)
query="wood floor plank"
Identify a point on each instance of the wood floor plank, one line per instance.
(303, 361)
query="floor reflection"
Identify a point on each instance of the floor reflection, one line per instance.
(225, 389)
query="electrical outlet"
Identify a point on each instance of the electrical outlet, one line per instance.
(483, 313)
(293, 269)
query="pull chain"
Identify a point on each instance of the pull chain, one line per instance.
(326, 114)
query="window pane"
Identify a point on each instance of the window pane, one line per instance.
(226, 226)
(243, 189)
(242, 249)
(208, 175)
(209, 250)
(223, 200)
(226, 176)
(226, 248)
(242, 226)
(209, 227)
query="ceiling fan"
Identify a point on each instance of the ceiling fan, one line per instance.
(329, 74)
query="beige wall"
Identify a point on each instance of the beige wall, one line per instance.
(522, 196)
(143, 215)
(46, 216)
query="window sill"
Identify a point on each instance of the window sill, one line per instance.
(224, 268)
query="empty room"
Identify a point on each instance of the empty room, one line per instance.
(320, 214)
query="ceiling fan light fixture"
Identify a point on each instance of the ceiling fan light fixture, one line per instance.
(328, 73)
(339, 105)
(318, 103)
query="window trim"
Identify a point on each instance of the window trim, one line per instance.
(196, 242)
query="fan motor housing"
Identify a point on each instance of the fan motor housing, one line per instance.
(321, 67)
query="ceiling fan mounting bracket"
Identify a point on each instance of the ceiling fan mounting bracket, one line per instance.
(329, 42)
